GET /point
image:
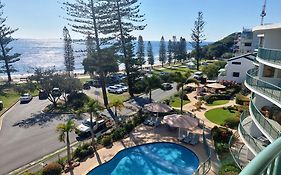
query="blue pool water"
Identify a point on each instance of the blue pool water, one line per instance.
(150, 159)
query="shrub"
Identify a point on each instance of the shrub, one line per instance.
(241, 99)
(52, 169)
(106, 141)
(118, 133)
(221, 148)
(211, 98)
(184, 96)
(232, 122)
(27, 173)
(77, 100)
(138, 120)
(129, 127)
(229, 169)
(83, 151)
(220, 134)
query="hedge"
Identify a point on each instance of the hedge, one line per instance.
(52, 169)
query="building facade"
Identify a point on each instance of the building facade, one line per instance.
(260, 126)
(236, 68)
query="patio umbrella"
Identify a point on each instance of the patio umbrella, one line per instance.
(215, 86)
(158, 107)
(181, 121)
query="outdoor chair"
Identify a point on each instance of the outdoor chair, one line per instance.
(188, 138)
(195, 140)
(183, 136)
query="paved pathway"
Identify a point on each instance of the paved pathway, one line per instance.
(201, 113)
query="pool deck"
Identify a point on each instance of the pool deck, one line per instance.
(141, 135)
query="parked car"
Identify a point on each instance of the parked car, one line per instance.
(163, 73)
(86, 86)
(115, 90)
(166, 86)
(43, 95)
(121, 86)
(198, 75)
(84, 128)
(25, 98)
(96, 83)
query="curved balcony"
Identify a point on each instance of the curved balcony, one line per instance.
(271, 57)
(265, 126)
(267, 90)
(238, 150)
(251, 142)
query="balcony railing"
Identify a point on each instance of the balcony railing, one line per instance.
(264, 123)
(205, 167)
(270, 55)
(269, 90)
(249, 139)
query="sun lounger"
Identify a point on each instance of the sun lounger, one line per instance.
(195, 139)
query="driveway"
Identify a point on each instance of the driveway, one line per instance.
(28, 135)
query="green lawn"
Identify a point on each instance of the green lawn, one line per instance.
(8, 99)
(176, 102)
(218, 102)
(219, 115)
(115, 97)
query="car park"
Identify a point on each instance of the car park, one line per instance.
(166, 86)
(24, 98)
(114, 90)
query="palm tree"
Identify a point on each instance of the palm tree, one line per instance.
(181, 80)
(93, 109)
(151, 83)
(118, 105)
(64, 129)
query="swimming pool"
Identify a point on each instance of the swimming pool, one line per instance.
(150, 159)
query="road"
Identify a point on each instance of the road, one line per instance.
(28, 135)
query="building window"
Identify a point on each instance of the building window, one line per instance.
(279, 73)
(248, 44)
(238, 63)
(268, 71)
(261, 41)
(236, 74)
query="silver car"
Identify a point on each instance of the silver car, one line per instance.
(25, 98)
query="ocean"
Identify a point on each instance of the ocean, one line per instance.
(49, 53)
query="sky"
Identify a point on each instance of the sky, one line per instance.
(38, 19)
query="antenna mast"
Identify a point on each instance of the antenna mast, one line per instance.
(263, 13)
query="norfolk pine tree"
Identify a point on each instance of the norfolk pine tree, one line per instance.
(88, 17)
(197, 36)
(5, 40)
(150, 56)
(140, 51)
(68, 52)
(124, 19)
(170, 52)
(162, 52)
